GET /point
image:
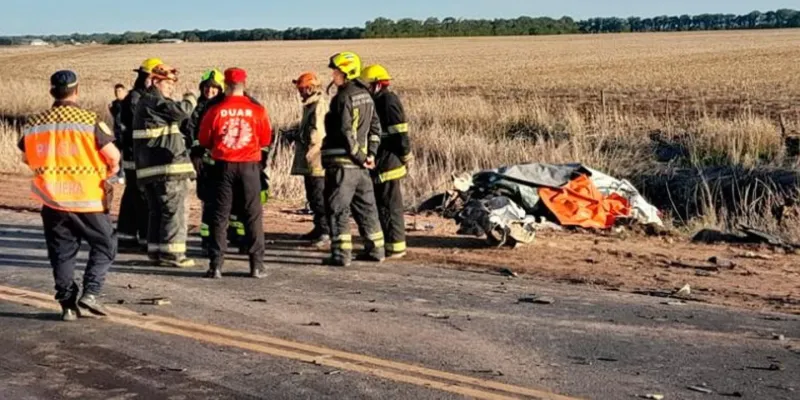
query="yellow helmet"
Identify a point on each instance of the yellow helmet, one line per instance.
(215, 77)
(347, 62)
(148, 65)
(375, 73)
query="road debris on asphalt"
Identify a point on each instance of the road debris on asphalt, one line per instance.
(722, 262)
(771, 367)
(258, 300)
(536, 300)
(170, 369)
(488, 372)
(157, 301)
(754, 256)
(778, 337)
(693, 265)
(653, 396)
(437, 316)
(701, 389)
(508, 272)
(313, 323)
(685, 291)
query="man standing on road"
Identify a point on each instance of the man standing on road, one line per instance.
(236, 130)
(133, 210)
(71, 153)
(394, 154)
(353, 134)
(308, 157)
(163, 166)
(212, 84)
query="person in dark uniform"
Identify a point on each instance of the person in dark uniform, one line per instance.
(133, 210)
(394, 155)
(236, 130)
(71, 153)
(212, 85)
(352, 137)
(163, 166)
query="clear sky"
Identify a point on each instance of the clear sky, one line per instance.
(19, 17)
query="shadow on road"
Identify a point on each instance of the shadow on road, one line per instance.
(440, 242)
(285, 250)
(44, 316)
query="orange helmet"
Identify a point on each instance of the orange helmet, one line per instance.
(164, 72)
(307, 80)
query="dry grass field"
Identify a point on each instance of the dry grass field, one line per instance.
(480, 103)
(483, 102)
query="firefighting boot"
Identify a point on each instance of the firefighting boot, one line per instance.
(214, 272)
(338, 259)
(321, 241)
(89, 302)
(180, 261)
(377, 255)
(396, 255)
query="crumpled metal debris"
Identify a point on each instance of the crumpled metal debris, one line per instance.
(501, 220)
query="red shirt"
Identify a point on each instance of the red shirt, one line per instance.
(235, 130)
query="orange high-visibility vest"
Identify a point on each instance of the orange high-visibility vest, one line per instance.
(62, 151)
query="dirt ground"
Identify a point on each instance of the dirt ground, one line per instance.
(760, 278)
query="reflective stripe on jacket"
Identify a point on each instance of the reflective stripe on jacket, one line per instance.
(61, 147)
(160, 149)
(352, 128)
(395, 149)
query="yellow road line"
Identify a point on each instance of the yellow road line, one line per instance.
(399, 372)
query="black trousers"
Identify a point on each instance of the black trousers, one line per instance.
(133, 212)
(205, 192)
(389, 196)
(315, 195)
(63, 232)
(350, 190)
(227, 178)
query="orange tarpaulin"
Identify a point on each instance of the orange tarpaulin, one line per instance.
(580, 203)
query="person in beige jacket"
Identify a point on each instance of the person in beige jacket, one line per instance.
(308, 153)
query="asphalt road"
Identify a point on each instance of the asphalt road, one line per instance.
(586, 344)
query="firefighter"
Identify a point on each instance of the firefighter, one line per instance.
(236, 130)
(394, 155)
(163, 166)
(308, 159)
(348, 153)
(133, 210)
(71, 153)
(212, 88)
(212, 84)
(114, 109)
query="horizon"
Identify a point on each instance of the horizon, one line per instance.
(98, 18)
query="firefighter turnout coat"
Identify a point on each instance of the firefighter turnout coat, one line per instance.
(395, 148)
(160, 147)
(352, 128)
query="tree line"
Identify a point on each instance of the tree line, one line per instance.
(434, 27)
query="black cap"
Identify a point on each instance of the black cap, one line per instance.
(63, 79)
